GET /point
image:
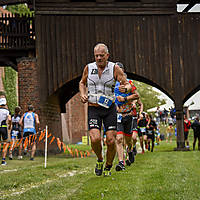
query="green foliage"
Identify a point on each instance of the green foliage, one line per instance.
(149, 97)
(21, 9)
(9, 82)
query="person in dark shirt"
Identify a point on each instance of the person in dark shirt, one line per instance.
(196, 129)
(142, 132)
(151, 127)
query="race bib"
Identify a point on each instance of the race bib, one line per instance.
(143, 129)
(105, 101)
(119, 117)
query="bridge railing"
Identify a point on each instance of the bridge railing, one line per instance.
(17, 32)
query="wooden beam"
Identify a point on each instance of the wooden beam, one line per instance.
(11, 2)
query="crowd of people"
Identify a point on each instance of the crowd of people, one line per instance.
(19, 126)
(113, 102)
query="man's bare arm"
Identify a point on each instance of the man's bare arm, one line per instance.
(9, 122)
(21, 121)
(120, 76)
(82, 86)
(37, 122)
(131, 97)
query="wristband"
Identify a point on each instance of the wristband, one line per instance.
(125, 99)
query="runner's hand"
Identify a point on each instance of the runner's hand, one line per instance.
(84, 98)
(122, 89)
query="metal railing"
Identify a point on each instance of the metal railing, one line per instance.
(17, 31)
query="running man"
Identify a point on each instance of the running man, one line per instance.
(100, 78)
(15, 133)
(135, 119)
(5, 122)
(124, 123)
(30, 123)
(196, 129)
(142, 131)
(151, 127)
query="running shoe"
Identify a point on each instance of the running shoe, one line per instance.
(3, 162)
(32, 159)
(131, 156)
(107, 171)
(99, 168)
(128, 162)
(120, 166)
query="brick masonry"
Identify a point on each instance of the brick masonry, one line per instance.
(29, 93)
(76, 120)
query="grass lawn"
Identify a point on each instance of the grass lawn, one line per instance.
(164, 174)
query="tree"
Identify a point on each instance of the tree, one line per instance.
(149, 97)
(21, 9)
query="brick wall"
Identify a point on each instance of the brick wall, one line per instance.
(28, 83)
(29, 93)
(76, 120)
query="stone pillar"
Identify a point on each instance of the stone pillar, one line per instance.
(29, 93)
(28, 84)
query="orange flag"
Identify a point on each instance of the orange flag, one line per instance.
(81, 154)
(53, 138)
(25, 142)
(77, 152)
(42, 135)
(88, 153)
(59, 143)
(19, 142)
(70, 151)
(64, 146)
(5, 146)
(16, 142)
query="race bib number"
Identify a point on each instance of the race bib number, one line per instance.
(143, 129)
(105, 101)
(119, 117)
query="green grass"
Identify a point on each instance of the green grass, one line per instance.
(163, 174)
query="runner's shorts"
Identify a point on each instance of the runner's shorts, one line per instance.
(142, 131)
(150, 135)
(29, 135)
(15, 134)
(97, 115)
(4, 133)
(134, 128)
(125, 125)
